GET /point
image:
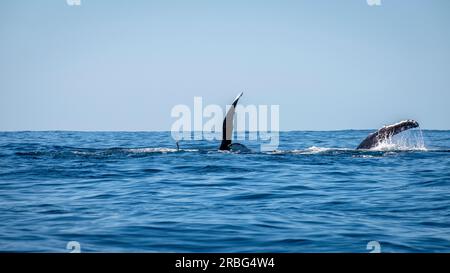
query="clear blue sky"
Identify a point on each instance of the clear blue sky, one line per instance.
(123, 65)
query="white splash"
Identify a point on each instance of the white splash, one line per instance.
(316, 150)
(310, 150)
(158, 150)
(81, 153)
(411, 140)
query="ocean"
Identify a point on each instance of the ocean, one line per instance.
(135, 192)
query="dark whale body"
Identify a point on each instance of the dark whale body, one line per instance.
(386, 132)
(227, 129)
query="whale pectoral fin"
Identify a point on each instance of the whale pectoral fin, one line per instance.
(387, 131)
(227, 127)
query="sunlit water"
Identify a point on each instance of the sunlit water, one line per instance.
(133, 191)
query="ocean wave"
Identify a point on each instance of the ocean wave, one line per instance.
(157, 150)
(383, 149)
(126, 193)
(65, 151)
(311, 150)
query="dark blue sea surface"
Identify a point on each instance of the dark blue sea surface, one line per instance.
(133, 192)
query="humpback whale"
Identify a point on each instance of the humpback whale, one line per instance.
(386, 132)
(227, 129)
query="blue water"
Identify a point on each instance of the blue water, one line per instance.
(132, 191)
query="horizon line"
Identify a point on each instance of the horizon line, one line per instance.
(161, 131)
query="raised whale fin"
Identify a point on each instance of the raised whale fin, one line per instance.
(227, 127)
(387, 131)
